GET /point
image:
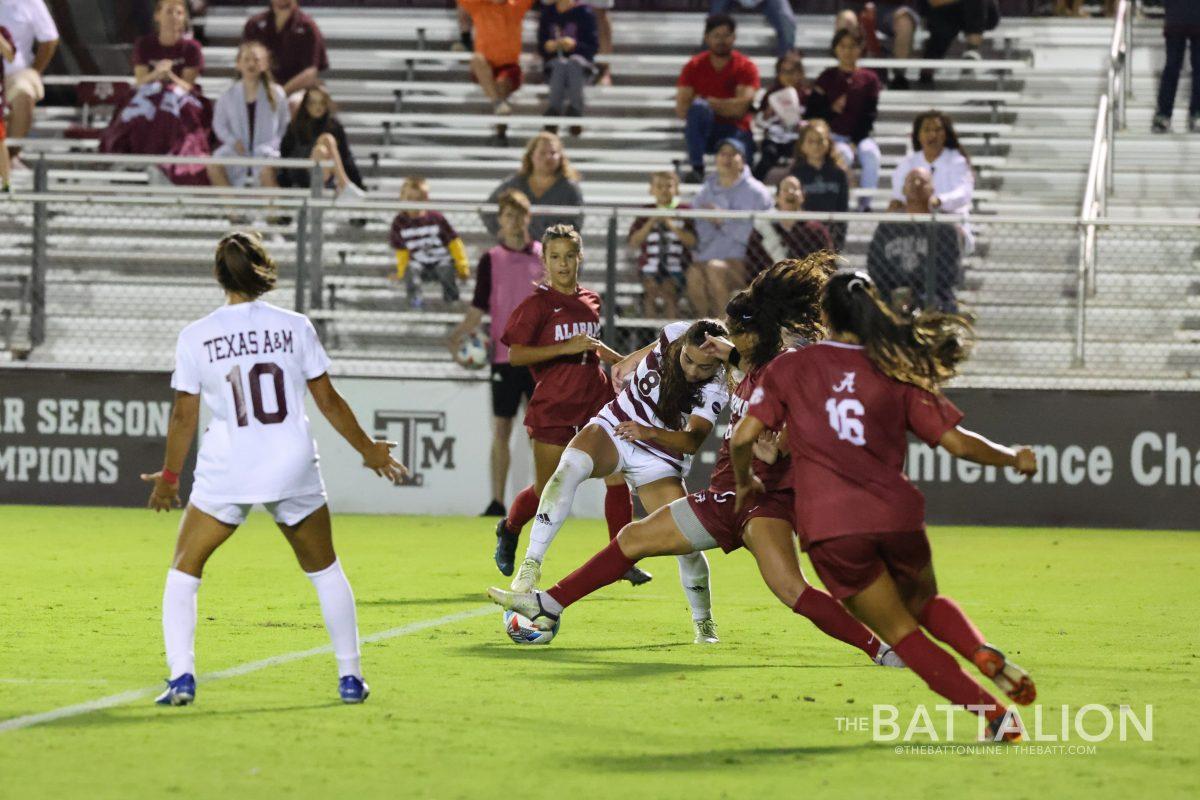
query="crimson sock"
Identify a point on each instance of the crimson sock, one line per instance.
(944, 619)
(942, 673)
(604, 568)
(618, 508)
(523, 507)
(835, 621)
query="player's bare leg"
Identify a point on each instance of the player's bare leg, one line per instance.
(591, 454)
(502, 428)
(312, 542)
(881, 608)
(199, 536)
(694, 574)
(774, 548)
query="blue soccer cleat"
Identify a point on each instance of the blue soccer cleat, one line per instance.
(180, 692)
(506, 548)
(353, 690)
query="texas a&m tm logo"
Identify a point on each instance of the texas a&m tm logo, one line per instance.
(423, 441)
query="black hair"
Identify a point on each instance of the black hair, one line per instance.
(924, 349)
(714, 21)
(947, 125)
(843, 33)
(244, 266)
(678, 395)
(784, 297)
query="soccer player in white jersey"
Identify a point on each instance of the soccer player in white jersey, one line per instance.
(649, 433)
(250, 363)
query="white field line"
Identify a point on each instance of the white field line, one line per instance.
(16, 723)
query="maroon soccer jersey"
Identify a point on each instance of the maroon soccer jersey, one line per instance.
(184, 53)
(847, 425)
(570, 389)
(774, 476)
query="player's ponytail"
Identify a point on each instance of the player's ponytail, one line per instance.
(784, 297)
(677, 395)
(244, 266)
(924, 349)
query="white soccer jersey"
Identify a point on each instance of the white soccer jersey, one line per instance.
(638, 401)
(251, 363)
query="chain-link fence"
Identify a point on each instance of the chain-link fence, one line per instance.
(90, 278)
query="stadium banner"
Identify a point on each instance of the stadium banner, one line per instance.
(1105, 459)
(443, 429)
(82, 437)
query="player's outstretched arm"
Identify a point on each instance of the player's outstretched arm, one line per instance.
(629, 364)
(376, 455)
(181, 431)
(963, 443)
(689, 440)
(741, 453)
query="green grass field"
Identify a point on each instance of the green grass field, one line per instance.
(622, 704)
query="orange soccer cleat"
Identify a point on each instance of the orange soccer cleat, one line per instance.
(1012, 680)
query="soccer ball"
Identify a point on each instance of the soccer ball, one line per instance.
(474, 351)
(522, 631)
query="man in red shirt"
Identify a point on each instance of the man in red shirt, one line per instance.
(295, 43)
(714, 93)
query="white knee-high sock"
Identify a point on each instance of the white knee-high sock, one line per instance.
(179, 622)
(694, 575)
(341, 619)
(574, 467)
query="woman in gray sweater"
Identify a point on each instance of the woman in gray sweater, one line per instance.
(547, 178)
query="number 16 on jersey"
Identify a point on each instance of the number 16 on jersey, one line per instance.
(845, 417)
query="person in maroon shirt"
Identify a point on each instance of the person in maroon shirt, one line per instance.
(715, 93)
(295, 43)
(555, 332)
(776, 239)
(168, 55)
(848, 404)
(847, 97)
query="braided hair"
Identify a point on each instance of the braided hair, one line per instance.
(924, 349)
(784, 297)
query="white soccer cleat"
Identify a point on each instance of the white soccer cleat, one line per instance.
(528, 575)
(526, 604)
(886, 657)
(706, 631)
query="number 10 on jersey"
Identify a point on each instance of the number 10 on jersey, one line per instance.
(239, 397)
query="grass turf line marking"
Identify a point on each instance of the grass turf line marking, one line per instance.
(16, 723)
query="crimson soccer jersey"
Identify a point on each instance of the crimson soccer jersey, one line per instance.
(774, 476)
(846, 430)
(570, 389)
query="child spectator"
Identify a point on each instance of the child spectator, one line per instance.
(294, 43)
(427, 247)
(316, 133)
(714, 94)
(249, 120)
(1181, 29)
(779, 114)
(895, 19)
(567, 43)
(495, 64)
(7, 53)
(664, 248)
(776, 239)
(168, 55)
(824, 178)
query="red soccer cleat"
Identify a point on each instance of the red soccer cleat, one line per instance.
(1012, 680)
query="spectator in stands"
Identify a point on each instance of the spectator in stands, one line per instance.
(946, 19)
(169, 55)
(7, 53)
(316, 133)
(567, 43)
(847, 97)
(547, 178)
(29, 22)
(935, 147)
(905, 257)
(714, 94)
(1181, 28)
(778, 13)
(824, 177)
(776, 239)
(1070, 8)
(664, 248)
(719, 262)
(496, 62)
(295, 44)
(780, 113)
(895, 19)
(249, 120)
(427, 247)
(506, 275)
(604, 27)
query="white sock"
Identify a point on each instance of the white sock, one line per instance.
(550, 604)
(693, 574)
(179, 622)
(574, 467)
(341, 620)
